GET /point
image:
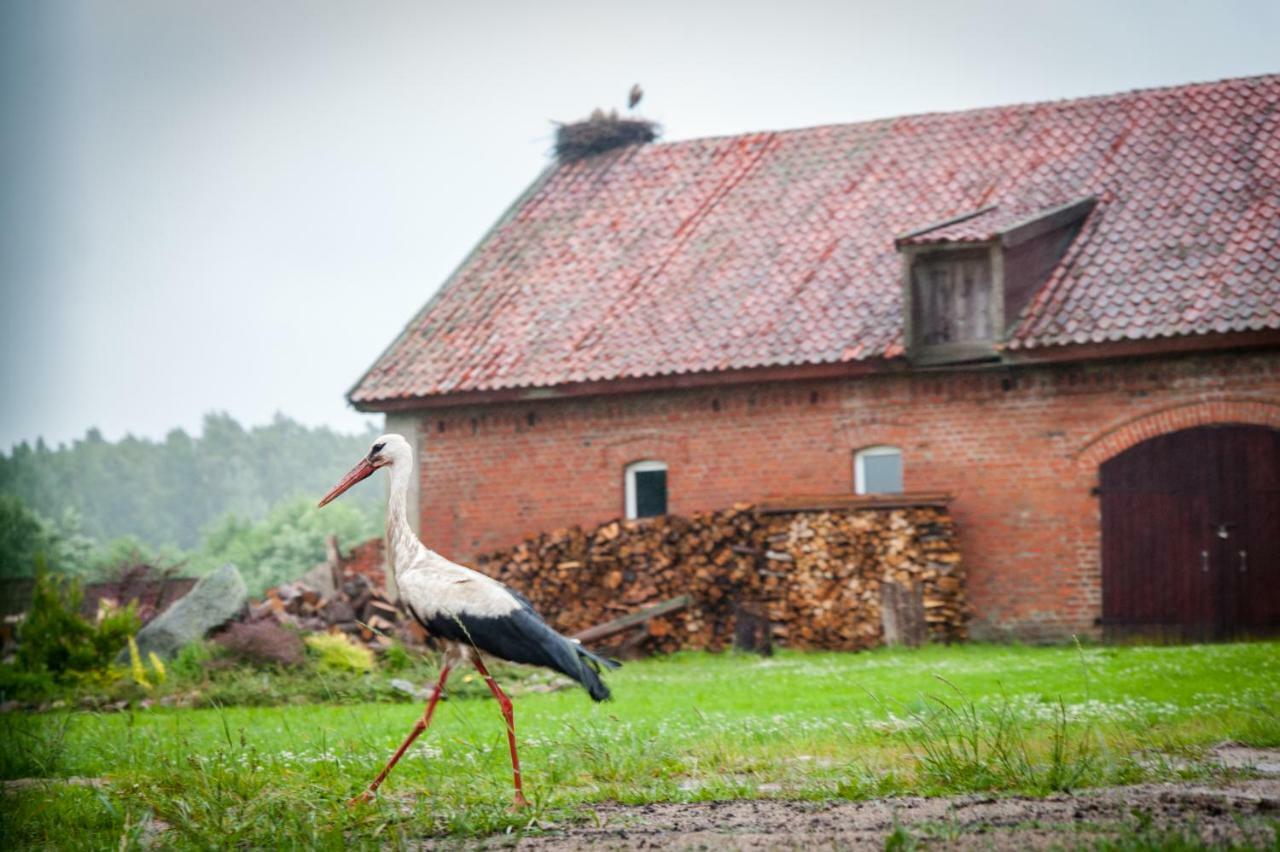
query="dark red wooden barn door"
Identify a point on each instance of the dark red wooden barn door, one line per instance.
(1191, 535)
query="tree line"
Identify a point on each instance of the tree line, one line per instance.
(227, 492)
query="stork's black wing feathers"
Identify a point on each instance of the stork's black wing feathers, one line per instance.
(521, 636)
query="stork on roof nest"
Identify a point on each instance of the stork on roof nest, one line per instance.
(601, 132)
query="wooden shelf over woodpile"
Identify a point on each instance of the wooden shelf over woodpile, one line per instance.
(818, 576)
(831, 502)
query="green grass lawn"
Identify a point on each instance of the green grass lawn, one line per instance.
(689, 727)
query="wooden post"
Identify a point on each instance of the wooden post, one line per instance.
(751, 629)
(902, 614)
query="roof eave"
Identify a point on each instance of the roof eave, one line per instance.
(1147, 347)
(681, 381)
(1171, 345)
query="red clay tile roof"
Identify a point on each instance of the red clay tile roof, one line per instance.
(773, 249)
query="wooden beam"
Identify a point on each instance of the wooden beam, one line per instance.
(942, 223)
(827, 502)
(601, 631)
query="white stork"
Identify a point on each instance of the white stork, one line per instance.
(472, 613)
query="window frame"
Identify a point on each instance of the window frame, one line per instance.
(629, 485)
(859, 467)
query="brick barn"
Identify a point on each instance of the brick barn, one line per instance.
(1066, 315)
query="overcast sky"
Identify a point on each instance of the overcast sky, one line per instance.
(237, 205)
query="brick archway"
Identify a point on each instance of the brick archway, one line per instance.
(616, 455)
(1117, 438)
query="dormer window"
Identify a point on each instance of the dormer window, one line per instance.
(966, 279)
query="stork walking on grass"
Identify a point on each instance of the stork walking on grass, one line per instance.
(472, 613)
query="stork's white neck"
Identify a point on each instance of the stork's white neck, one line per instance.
(402, 544)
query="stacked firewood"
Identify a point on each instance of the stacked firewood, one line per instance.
(344, 593)
(818, 577)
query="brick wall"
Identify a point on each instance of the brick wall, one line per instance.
(1019, 447)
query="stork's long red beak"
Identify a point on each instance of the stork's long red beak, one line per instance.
(359, 472)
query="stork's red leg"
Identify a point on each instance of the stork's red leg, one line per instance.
(418, 728)
(508, 714)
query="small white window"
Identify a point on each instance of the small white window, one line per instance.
(877, 470)
(646, 487)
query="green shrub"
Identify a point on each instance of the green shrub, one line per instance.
(19, 685)
(397, 658)
(54, 638)
(193, 660)
(336, 651)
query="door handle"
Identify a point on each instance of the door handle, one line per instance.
(1244, 561)
(1204, 561)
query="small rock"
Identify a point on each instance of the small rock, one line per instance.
(320, 578)
(399, 684)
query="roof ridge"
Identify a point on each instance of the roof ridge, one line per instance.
(1108, 96)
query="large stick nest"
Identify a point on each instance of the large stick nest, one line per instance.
(599, 133)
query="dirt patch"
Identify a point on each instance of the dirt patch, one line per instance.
(1226, 811)
(1242, 813)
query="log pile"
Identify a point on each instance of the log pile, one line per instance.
(346, 594)
(815, 577)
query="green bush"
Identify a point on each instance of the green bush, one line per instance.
(18, 685)
(192, 661)
(54, 638)
(397, 658)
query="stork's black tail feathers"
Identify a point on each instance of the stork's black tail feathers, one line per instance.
(521, 636)
(589, 664)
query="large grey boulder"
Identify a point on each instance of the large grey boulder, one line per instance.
(210, 603)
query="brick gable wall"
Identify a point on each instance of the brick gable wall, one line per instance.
(1018, 446)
